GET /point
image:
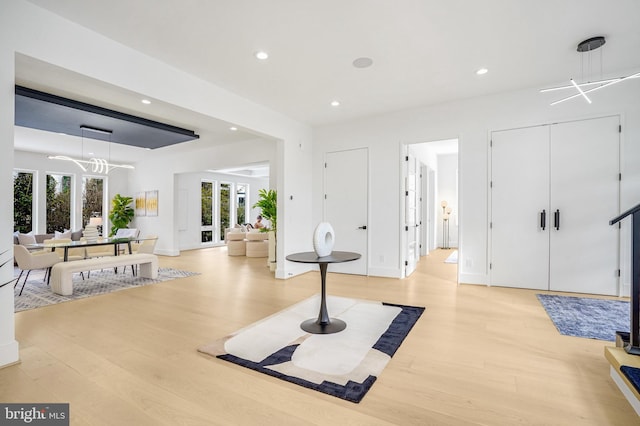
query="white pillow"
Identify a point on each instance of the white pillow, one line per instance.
(25, 239)
(60, 235)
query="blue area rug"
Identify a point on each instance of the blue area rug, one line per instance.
(292, 362)
(587, 317)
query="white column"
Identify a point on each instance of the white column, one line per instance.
(8, 344)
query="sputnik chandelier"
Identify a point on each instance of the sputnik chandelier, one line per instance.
(98, 165)
(586, 47)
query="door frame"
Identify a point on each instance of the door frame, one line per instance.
(428, 195)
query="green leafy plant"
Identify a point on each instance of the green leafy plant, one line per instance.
(268, 204)
(121, 213)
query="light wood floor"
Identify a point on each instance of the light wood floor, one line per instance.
(478, 356)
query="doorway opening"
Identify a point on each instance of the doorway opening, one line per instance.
(429, 201)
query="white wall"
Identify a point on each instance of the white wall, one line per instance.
(35, 32)
(115, 182)
(470, 121)
(189, 184)
(161, 170)
(8, 344)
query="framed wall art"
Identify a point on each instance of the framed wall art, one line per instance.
(141, 204)
(151, 205)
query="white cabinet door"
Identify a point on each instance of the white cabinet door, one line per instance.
(519, 195)
(584, 194)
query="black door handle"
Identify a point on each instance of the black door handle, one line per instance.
(362, 227)
(556, 220)
(543, 219)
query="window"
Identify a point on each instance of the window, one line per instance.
(58, 203)
(241, 202)
(22, 201)
(225, 208)
(206, 225)
(92, 198)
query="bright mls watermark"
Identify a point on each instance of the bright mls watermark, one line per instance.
(34, 414)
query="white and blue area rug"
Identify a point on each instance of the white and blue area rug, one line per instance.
(37, 294)
(344, 364)
(587, 317)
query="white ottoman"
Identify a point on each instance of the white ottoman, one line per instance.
(257, 244)
(236, 245)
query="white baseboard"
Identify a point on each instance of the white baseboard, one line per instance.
(291, 270)
(385, 272)
(165, 252)
(9, 354)
(480, 279)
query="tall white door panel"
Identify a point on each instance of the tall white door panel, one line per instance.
(346, 205)
(412, 219)
(554, 189)
(584, 197)
(519, 208)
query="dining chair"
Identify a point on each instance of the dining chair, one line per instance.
(77, 253)
(147, 245)
(98, 251)
(28, 262)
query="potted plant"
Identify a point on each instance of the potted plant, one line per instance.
(268, 204)
(121, 213)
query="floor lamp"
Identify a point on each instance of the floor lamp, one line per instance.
(446, 214)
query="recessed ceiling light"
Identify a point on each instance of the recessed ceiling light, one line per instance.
(262, 55)
(335, 103)
(233, 129)
(482, 71)
(363, 62)
(146, 101)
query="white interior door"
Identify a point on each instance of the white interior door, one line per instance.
(584, 192)
(431, 209)
(519, 196)
(425, 219)
(346, 205)
(411, 219)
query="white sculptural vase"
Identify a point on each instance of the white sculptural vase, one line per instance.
(323, 239)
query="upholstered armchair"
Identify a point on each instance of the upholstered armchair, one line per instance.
(28, 262)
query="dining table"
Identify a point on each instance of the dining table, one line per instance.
(66, 245)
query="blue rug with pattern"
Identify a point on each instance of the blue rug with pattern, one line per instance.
(587, 317)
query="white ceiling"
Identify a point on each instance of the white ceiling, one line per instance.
(424, 51)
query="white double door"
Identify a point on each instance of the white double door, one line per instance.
(553, 190)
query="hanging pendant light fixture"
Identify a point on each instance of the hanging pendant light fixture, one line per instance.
(586, 47)
(97, 165)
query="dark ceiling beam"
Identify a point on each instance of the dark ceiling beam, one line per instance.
(132, 128)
